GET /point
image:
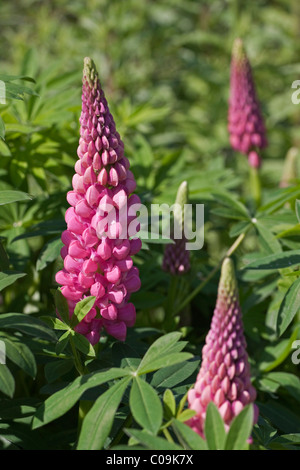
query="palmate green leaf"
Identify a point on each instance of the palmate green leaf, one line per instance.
(286, 441)
(57, 369)
(162, 353)
(168, 377)
(145, 405)
(7, 382)
(9, 277)
(286, 259)
(167, 360)
(214, 428)
(82, 308)
(48, 227)
(280, 416)
(288, 381)
(26, 324)
(229, 200)
(279, 199)
(54, 323)
(8, 78)
(20, 354)
(289, 307)
(150, 441)
(8, 196)
(19, 433)
(63, 342)
(188, 438)
(240, 429)
(124, 356)
(297, 208)
(238, 228)
(268, 241)
(49, 253)
(169, 404)
(82, 344)
(263, 432)
(98, 421)
(63, 400)
(18, 407)
(228, 213)
(62, 306)
(4, 149)
(274, 355)
(185, 415)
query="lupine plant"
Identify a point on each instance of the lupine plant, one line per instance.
(111, 338)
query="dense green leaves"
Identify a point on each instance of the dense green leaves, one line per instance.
(240, 430)
(162, 353)
(7, 383)
(7, 197)
(62, 401)
(26, 324)
(8, 278)
(214, 428)
(287, 259)
(145, 406)
(187, 437)
(97, 423)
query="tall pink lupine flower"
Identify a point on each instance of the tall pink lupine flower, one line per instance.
(245, 123)
(224, 376)
(97, 250)
(176, 257)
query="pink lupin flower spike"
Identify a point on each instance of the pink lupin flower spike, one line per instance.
(224, 376)
(97, 250)
(245, 123)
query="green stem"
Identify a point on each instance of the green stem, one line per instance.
(168, 436)
(255, 185)
(196, 291)
(84, 405)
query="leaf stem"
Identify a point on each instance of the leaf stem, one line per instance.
(168, 435)
(255, 185)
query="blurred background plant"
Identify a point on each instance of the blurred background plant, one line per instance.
(165, 69)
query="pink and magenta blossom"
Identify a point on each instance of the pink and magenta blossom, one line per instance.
(98, 247)
(224, 376)
(245, 122)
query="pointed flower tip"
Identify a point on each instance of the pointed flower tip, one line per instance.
(228, 279)
(182, 194)
(238, 51)
(89, 70)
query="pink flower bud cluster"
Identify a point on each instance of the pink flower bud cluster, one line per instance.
(224, 376)
(245, 123)
(97, 251)
(176, 257)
